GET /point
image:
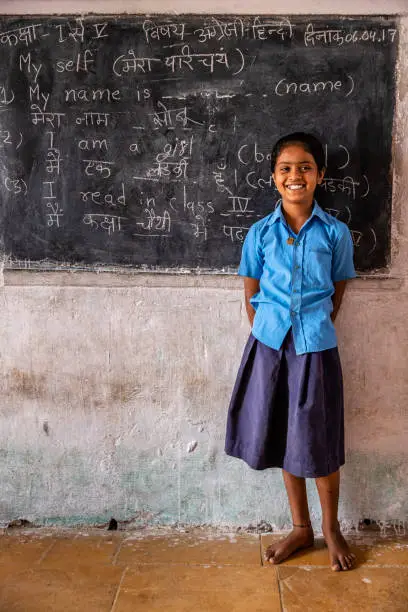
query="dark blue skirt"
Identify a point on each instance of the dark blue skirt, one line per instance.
(287, 410)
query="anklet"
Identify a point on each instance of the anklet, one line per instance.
(309, 524)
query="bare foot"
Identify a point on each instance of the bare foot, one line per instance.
(299, 537)
(341, 557)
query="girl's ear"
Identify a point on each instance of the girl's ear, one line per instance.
(321, 174)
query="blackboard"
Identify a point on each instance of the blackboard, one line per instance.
(144, 141)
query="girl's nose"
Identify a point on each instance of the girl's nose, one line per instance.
(295, 173)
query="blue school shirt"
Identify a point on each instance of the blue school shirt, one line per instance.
(296, 280)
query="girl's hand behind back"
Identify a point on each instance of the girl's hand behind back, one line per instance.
(251, 286)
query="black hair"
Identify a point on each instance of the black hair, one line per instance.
(310, 143)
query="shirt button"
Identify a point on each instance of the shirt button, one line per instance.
(297, 267)
(292, 313)
(296, 291)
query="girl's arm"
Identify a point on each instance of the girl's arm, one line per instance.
(251, 286)
(339, 288)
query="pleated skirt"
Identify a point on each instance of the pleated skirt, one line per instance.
(287, 411)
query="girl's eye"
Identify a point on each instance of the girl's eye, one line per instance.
(306, 168)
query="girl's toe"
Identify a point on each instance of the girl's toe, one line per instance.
(336, 567)
(269, 556)
(277, 558)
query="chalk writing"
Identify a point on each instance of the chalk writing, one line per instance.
(238, 206)
(253, 155)
(283, 87)
(258, 182)
(15, 186)
(105, 222)
(53, 217)
(235, 233)
(93, 144)
(142, 65)
(265, 29)
(98, 167)
(93, 119)
(217, 29)
(154, 221)
(186, 59)
(81, 63)
(41, 98)
(25, 34)
(26, 63)
(155, 32)
(339, 37)
(346, 185)
(6, 96)
(169, 118)
(6, 138)
(92, 95)
(39, 116)
(76, 30)
(105, 199)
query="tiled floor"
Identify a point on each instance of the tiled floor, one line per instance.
(44, 570)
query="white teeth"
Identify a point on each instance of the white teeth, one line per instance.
(294, 187)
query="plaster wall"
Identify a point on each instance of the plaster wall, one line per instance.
(114, 387)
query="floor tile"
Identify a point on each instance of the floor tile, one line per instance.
(57, 590)
(19, 552)
(151, 588)
(384, 550)
(82, 550)
(191, 548)
(365, 589)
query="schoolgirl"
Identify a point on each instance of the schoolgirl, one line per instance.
(286, 408)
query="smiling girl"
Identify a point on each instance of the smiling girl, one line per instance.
(286, 408)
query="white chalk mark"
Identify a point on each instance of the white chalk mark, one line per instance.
(375, 241)
(348, 157)
(153, 235)
(167, 79)
(352, 85)
(368, 186)
(242, 62)
(180, 44)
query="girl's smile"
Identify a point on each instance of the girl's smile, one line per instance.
(296, 175)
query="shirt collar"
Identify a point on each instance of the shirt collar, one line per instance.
(278, 214)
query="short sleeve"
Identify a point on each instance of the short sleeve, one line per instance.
(343, 266)
(251, 257)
